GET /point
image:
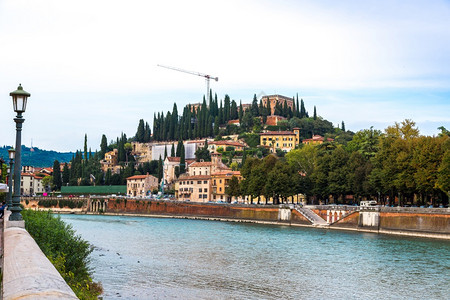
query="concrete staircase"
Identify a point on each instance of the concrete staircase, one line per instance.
(312, 216)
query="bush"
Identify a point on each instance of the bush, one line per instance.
(67, 251)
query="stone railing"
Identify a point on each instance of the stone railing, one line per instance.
(27, 273)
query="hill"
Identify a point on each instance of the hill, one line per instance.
(38, 158)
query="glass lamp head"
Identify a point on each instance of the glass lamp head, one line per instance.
(20, 98)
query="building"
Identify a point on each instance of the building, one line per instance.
(194, 188)
(274, 99)
(195, 185)
(142, 152)
(316, 140)
(273, 120)
(219, 184)
(238, 146)
(141, 185)
(284, 140)
(31, 184)
(111, 161)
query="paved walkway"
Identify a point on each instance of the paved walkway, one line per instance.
(312, 216)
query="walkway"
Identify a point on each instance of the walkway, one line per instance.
(311, 216)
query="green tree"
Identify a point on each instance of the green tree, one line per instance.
(182, 160)
(57, 179)
(172, 151)
(103, 146)
(66, 174)
(233, 189)
(140, 133)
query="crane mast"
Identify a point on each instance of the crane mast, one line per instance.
(206, 76)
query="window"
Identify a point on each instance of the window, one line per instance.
(199, 182)
(200, 190)
(205, 182)
(205, 190)
(220, 181)
(200, 173)
(214, 182)
(220, 189)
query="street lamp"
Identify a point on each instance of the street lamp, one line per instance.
(11, 154)
(19, 98)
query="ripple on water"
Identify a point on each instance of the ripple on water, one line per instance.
(146, 258)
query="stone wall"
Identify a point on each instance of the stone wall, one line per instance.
(177, 208)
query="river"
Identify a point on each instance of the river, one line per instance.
(160, 258)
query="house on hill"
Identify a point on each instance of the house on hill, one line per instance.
(284, 140)
(238, 146)
(316, 140)
(274, 99)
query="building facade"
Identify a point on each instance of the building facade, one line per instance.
(284, 140)
(219, 184)
(316, 140)
(274, 99)
(141, 185)
(31, 184)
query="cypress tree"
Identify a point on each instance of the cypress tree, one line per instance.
(103, 146)
(172, 151)
(66, 174)
(147, 133)
(165, 151)
(315, 113)
(182, 160)
(140, 133)
(254, 108)
(227, 107)
(57, 180)
(343, 126)
(160, 169)
(178, 152)
(216, 126)
(85, 147)
(234, 112)
(241, 112)
(302, 110)
(269, 109)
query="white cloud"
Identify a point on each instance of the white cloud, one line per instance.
(91, 66)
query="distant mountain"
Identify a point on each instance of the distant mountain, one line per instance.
(38, 158)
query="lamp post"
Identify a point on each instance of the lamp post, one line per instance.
(19, 98)
(11, 154)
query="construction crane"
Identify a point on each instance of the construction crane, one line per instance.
(207, 77)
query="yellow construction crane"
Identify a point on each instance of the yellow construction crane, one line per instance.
(207, 78)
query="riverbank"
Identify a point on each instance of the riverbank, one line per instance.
(350, 221)
(419, 222)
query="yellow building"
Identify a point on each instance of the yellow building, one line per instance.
(220, 182)
(316, 140)
(284, 140)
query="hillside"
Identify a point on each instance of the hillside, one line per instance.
(38, 158)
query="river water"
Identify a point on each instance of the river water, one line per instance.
(158, 258)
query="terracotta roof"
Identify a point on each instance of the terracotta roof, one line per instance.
(278, 133)
(173, 159)
(318, 138)
(139, 177)
(233, 121)
(273, 120)
(229, 143)
(227, 173)
(201, 164)
(195, 177)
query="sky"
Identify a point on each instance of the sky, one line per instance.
(91, 66)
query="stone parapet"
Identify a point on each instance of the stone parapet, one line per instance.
(27, 273)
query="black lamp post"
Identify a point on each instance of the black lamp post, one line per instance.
(11, 153)
(19, 98)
